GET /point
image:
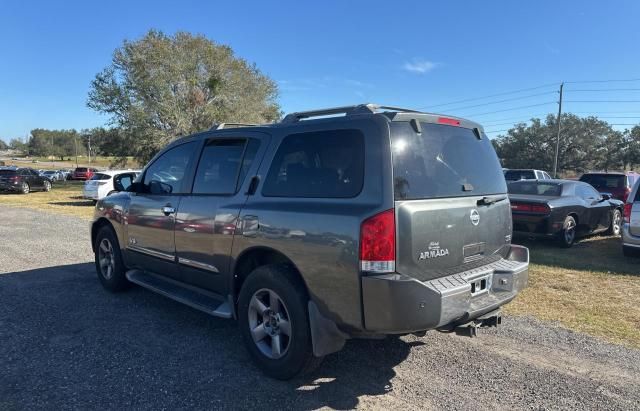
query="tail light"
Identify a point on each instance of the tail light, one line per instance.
(627, 191)
(14, 178)
(378, 243)
(627, 212)
(531, 208)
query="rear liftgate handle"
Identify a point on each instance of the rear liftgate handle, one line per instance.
(168, 210)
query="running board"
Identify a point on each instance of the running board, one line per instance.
(205, 301)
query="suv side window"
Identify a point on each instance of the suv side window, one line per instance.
(167, 173)
(320, 164)
(223, 165)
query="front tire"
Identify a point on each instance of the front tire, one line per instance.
(108, 258)
(567, 236)
(274, 322)
(47, 186)
(616, 223)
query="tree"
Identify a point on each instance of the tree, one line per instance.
(17, 144)
(161, 87)
(59, 143)
(3, 145)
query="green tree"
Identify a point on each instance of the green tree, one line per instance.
(3, 145)
(161, 87)
(17, 144)
(59, 143)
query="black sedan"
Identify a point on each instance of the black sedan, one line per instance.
(23, 180)
(563, 210)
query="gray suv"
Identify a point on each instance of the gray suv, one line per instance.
(351, 222)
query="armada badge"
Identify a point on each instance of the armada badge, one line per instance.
(434, 251)
(475, 217)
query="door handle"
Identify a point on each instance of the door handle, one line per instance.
(168, 210)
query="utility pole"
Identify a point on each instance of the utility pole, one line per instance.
(555, 163)
(89, 149)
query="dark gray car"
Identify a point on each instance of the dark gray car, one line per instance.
(319, 229)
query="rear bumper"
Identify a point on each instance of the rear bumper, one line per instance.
(91, 194)
(11, 186)
(628, 239)
(535, 225)
(395, 303)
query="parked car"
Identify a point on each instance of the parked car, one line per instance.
(52, 175)
(105, 183)
(83, 173)
(525, 174)
(562, 210)
(631, 224)
(23, 180)
(333, 236)
(616, 184)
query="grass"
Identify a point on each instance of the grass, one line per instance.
(69, 162)
(64, 198)
(591, 288)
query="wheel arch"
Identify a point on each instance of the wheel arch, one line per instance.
(96, 226)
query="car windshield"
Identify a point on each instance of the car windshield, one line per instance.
(535, 188)
(443, 161)
(515, 175)
(604, 181)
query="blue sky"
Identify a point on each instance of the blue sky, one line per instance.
(410, 53)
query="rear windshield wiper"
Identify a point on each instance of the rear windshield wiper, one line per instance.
(491, 200)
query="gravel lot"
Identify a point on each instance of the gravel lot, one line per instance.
(68, 344)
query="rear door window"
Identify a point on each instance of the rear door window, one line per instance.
(321, 164)
(443, 161)
(100, 176)
(223, 165)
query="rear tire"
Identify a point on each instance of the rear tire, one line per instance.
(108, 258)
(567, 237)
(47, 186)
(272, 312)
(615, 228)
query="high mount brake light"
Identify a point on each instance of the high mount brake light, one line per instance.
(448, 121)
(378, 243)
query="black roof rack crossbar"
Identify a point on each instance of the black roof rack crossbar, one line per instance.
(222, 126)
(346, 110)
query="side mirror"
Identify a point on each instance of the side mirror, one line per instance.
(605, 196)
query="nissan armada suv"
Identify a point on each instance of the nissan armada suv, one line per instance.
(351, 222)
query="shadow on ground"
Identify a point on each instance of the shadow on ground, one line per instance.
(596, 253)
(80, 203)
(67, 343)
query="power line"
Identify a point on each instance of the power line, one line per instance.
(602, 81)
(502, 101)
(604, 89)
(488, 96)
(602, 101)
(509, 109)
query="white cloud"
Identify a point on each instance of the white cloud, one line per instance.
(419, 66)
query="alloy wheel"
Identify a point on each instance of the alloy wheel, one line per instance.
(25, 188)
(269, 323)
(106, 259)
(47, 186)
(617, 223)
(570, 231)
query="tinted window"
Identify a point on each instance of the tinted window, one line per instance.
(586, 192)
(81, 169)
(535, 188)
(604, 181)
(166, 174)
(323, 164)
(8, 172)
(515, 175)
(100, 176)
(218, 167)
(443, 161)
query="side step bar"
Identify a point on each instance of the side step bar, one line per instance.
(205, 301)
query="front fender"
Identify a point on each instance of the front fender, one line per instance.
(112, 210)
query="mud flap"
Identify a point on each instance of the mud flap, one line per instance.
(326, 338)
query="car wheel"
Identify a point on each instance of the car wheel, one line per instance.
(616, 223)
(24, 188)
(568, 234)
(274, 322)
(47, 186)
(630, 251)
(108, 258)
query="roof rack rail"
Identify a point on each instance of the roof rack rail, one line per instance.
(346, 110)
(222, 126)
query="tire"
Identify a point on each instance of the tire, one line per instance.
(615, 228)
(567, 237)
(257, 311)
(630, 251)
(24, 188)
(108, 259)
(47, 186)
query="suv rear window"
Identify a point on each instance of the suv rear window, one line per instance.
(515, 175)
(443, 161)
(81, 169)
(322, 164)
(100, 176)
(605, 181)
